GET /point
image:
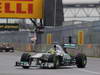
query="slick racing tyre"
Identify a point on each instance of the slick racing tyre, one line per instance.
(25, 58)
(81, 60)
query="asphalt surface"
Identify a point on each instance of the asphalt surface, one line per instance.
(7, 62)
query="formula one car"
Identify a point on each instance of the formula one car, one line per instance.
(6, 48)
(53, 58)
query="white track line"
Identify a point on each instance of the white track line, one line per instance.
(89, 71)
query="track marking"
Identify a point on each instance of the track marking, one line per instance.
(89, 71)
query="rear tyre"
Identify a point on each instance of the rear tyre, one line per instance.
(81, 60)
(1, 50)
(26, 58)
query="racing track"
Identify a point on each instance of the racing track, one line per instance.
(7, 67)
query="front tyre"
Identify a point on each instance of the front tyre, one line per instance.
(81, 60)
(25, 59)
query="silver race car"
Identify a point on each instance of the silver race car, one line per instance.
(54, 58)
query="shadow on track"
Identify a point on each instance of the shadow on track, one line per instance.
(38, 68)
